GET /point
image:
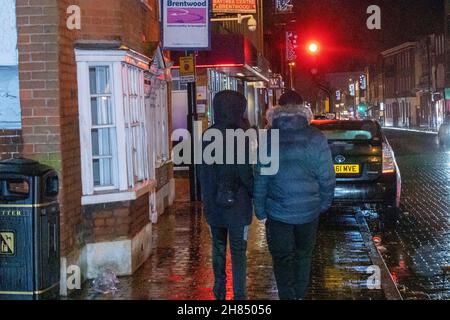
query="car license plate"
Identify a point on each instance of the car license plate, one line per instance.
(346, 168)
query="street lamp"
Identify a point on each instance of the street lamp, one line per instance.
(252, 24)
(291, 74)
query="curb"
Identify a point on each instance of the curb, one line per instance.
(434, 133)
(388, 285)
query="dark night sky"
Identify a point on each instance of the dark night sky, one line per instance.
(340, 25)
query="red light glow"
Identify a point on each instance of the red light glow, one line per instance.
(313, 47)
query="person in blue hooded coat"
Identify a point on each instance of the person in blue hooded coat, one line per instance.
(291, 201)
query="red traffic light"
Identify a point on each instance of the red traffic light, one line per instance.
(313, 47)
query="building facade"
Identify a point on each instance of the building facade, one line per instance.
(431, 82)
(413, 76)
(447, 54)
(375, 98)
(400, 82)
(94, 104)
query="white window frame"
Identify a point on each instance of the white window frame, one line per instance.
(124, 188)
(88, 118)
(135, 124)
(162, 124)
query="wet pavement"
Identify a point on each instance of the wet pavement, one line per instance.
(180, 266)
(417, 251)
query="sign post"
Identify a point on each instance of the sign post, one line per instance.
(187, 75)
(186, 26)
(187, 69)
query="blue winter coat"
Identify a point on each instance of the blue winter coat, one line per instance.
(304, 186)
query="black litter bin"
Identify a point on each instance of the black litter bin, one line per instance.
(29, 231)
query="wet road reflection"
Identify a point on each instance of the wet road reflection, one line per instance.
(417, 251)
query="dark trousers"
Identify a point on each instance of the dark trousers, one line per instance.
(292, 249)
(238, 247)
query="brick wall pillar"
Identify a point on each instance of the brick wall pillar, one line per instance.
(48, 100)
(37, 23)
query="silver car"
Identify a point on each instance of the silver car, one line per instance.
(444, 132)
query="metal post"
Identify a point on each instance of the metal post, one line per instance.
(191, 118)
(291, 76)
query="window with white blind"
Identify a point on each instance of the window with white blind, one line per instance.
(104, 160)
(116, 152)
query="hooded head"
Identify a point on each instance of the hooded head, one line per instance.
(289, 117)
(229, 108)
(290, 97)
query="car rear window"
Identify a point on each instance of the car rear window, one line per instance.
(350, 130)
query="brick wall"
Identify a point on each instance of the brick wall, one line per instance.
(109, 222)
(163, 175)
(49, 97)
(10, 143)
(129, 21)
(140, 25)
(37, 22)
(72, 221)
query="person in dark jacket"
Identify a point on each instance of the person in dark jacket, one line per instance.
(232, 220)
(292, 200)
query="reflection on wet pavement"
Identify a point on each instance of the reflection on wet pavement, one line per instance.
(180, 266)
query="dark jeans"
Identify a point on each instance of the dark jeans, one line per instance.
(238, 247)
(292, 248)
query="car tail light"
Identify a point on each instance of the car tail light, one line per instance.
(388, 159)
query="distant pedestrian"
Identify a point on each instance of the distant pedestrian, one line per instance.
(227, 199)
(291, 201)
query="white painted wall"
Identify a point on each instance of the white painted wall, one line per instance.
(179, 110)
(9, 73)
